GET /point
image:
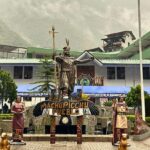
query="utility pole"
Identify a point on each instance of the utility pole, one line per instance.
(141, 65)
(53, 32)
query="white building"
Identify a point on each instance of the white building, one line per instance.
(109, 69)
(118, 41)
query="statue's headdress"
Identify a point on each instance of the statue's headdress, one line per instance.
(67, 48)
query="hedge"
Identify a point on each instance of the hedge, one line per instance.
(132, 118)
(6, 116)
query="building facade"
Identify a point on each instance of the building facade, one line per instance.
(119, 68)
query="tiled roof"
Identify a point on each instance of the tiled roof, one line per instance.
(20, 61)
(145, 54)
(134, 47)
(124, 61)
(129, 52)
(47, 51)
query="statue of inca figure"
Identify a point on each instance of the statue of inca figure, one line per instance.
(67, 69)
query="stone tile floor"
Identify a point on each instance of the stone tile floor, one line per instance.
(142, 145)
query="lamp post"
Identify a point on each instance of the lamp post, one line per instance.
(141, 65)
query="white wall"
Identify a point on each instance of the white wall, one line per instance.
(132, 76)
(10, 69)
(33, 101)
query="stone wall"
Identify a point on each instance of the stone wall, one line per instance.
(6, 125)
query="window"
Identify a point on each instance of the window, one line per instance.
(146, 72)
(39, 56)
(111, 73)
(28, 72)
(18, 72)
(27, 98)
(120, 72)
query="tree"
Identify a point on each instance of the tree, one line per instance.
(133, 98)
(8, 88)
(46, 75)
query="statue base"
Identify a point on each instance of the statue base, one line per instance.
(17, 143)
(118, 143)
(141, 137)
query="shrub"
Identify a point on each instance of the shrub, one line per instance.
(108, 103)
(6, 116)
(132, 118)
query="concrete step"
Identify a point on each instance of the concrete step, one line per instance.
(67, 137)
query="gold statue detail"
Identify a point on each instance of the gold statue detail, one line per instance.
(123, 142)
(4, 144)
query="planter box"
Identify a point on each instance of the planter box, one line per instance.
(141, 137)
(6, 125)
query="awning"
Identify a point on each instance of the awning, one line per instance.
(27, 90)
(103, 89)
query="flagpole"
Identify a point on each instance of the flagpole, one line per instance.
(141, 65)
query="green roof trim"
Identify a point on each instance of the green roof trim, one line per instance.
(104, 55)
(49, 52)
(129, 52)
(145, 54)
(134, 47)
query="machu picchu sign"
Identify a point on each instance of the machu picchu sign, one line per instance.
(60, 107)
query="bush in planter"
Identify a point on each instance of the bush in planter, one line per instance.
(6, 116)
(108, 103)
(133, 99)
(132, 118)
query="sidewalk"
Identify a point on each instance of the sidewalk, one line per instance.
(143, 145)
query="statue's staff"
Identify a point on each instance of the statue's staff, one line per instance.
(53, 32)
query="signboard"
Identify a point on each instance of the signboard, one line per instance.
(61, 107)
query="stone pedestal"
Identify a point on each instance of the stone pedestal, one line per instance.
(79, 129)
(90, 122)
(53, 130)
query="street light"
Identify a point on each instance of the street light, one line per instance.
(141, 65)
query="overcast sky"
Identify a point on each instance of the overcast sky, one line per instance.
(84, 22)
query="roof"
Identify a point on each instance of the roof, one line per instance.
(97, 49)
(128, 52)
(20, 61)
(120, 33)
(145, 54)
(47, 51)
(102, 61)
(123, 61)
(134, 47)
(105, 55)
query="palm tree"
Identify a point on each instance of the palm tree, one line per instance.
(46, 74)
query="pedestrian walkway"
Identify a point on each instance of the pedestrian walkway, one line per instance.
(66, 145)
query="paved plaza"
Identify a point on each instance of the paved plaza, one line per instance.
(142, 145)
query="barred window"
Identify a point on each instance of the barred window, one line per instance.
(120, 72)
(110, 72)
(28, 72)
(18, 72)
(146, 72)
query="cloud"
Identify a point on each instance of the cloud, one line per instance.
(85, 22)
